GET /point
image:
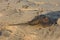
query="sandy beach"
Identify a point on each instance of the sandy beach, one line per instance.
(22, 11)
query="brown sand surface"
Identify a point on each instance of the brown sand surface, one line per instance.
(22, 11)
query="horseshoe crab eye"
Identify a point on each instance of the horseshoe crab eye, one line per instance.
(45, 19)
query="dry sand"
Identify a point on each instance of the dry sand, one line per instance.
(21, 11)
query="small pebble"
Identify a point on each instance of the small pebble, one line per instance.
(0, 33)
